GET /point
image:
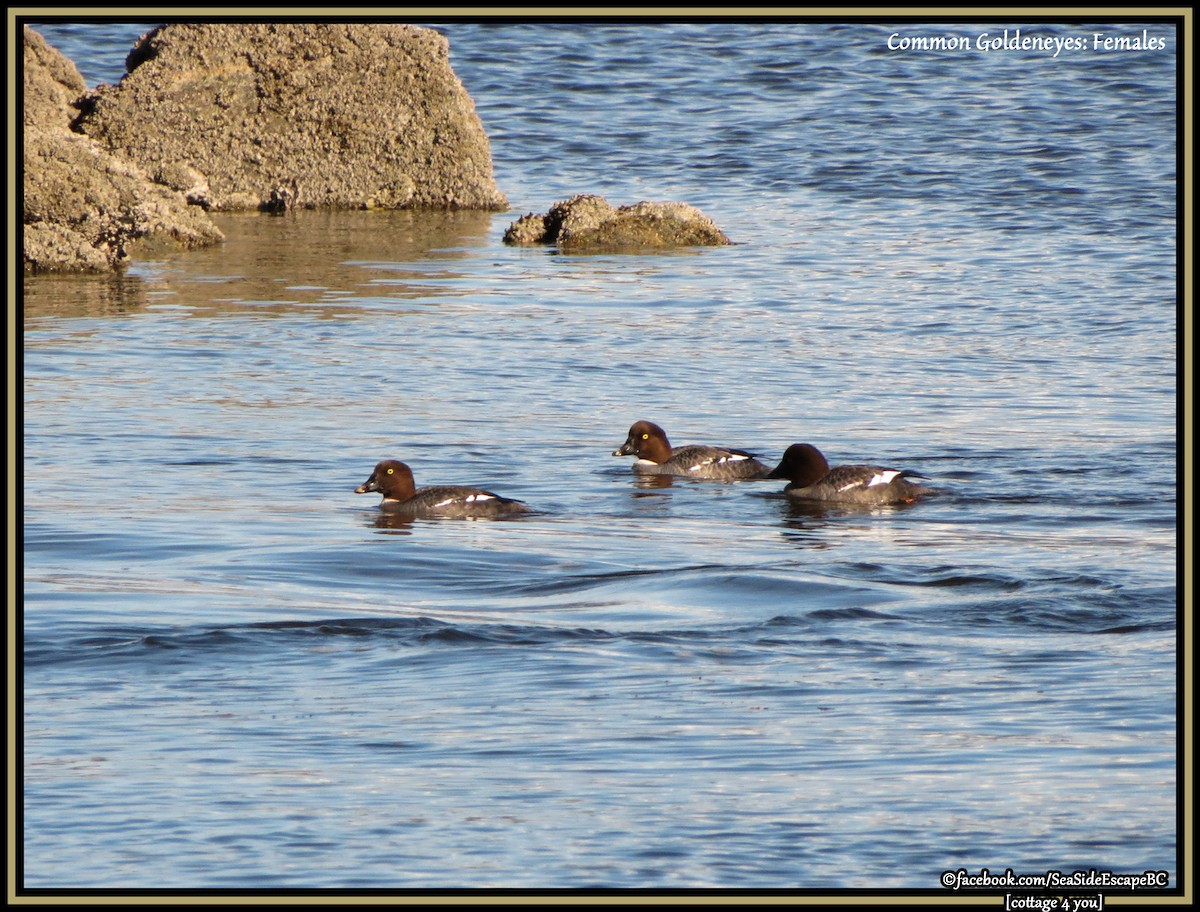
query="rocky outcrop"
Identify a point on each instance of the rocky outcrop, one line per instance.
(82, 206)
(271, 116)
(52, 83)
(589, 224)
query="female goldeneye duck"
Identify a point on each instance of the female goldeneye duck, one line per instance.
(655, 456)
(811, 479)
(394, 480)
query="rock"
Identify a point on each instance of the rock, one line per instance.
(52, 83)
(83, 207)
(589, 224)
(315, 115)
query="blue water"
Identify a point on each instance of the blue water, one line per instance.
(237, 675)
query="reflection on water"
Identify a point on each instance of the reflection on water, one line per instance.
(275, 263)
(653, 481)
(86, 295)
(393, 523)
(399, 521)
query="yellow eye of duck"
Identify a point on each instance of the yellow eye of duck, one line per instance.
(390, 471)
(645, 436)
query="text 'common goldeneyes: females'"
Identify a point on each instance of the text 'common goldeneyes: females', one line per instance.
(655, 456)
(394, 480)
(812, 479)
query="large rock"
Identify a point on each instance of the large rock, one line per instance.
(589, 224)
(82, 206)
(309, 114)
(52, 83)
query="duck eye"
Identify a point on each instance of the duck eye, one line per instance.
(645, 436)
(390, 471)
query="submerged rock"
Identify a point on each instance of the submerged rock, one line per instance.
(589, 224)
(82, 206)
(273, 116)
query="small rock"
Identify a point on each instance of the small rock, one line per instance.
(589, 224)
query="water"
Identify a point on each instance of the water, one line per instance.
(237, 675)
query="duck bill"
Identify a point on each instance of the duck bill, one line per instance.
(626, 449)
(367, 486)
(776, 472)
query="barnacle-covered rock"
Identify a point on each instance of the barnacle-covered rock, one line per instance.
(589, 224)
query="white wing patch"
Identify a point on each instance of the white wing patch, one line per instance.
(470, 498)
(882, 477)
(719, 459)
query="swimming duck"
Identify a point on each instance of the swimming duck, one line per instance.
(812, 479)
(655, 456)
(394, 480)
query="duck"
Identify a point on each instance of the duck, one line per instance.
(394, 480)
(811, 479)
(655, 456)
